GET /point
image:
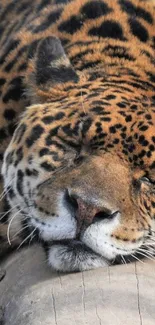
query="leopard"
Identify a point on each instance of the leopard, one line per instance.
(77, 130)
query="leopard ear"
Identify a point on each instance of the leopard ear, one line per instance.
(50, 68)
(52, 64)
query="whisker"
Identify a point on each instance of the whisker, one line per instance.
(137, 258)
(6, 190)
(4, 194)
(4, 214)
(152, 239)
(19, 231)
(123, 259)
(32, 238)
(146, 251)
(149, 244)
(147, 256)
(150, 235)
(9, 225)
(26, 238)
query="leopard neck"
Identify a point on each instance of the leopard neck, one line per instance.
(115, 63)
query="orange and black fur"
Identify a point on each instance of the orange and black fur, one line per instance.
(77, 128)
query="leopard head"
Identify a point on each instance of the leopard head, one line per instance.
(81, 164)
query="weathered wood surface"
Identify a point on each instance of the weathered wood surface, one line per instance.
(31, 294)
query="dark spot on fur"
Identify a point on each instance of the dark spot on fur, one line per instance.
(95, 9)
(47, 166)
(3, 134)
(19, 156)
(47, 119)
(10, 47)
(138, 30)
(31, 172)
(50, 20)
(9, 114)
(32, 48)
(15, 90)
(108, 29)
(11, 64)
(2, 81)
(43, 4)
(19, 184)
(71, 26)
(36, 132)
(134, 10)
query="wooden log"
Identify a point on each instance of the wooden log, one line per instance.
(31, 294)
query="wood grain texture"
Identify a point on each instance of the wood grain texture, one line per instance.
(32, 294)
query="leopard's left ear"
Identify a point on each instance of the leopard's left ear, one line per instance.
(50, 68)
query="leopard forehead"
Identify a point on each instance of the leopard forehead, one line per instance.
(103, 122)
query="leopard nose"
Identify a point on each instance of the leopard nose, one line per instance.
(87, 213)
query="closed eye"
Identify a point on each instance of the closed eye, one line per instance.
(146, 179)
(79, 160)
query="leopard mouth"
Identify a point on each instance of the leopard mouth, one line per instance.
(73, 254)
(76, 243)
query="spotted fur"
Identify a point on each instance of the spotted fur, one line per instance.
(77, 128)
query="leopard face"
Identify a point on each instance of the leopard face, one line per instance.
(79, 171)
